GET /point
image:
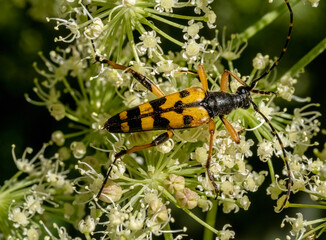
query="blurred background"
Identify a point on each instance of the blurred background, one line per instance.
(24, 32)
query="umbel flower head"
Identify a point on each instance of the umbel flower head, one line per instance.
(113, 25)
(137, 201)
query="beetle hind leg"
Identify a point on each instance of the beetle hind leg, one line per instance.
(157, 141)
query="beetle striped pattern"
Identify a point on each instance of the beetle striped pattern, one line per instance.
(178, 110)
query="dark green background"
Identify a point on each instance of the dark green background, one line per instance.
(23, 124)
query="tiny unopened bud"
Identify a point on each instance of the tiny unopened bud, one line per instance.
(58, 138)
(174, 183)
(111, 192)
(78, 149)
(156, 207)
(204, 204)
(227, 187)
(64, 153)
(244, 202)
(58, 111)
(187, 198)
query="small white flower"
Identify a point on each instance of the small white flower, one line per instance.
(33, 205)
(31, 233)
(165, 5)
(19, 217)
(149, 44)
(211, 16)
(260, 62)
(94, 29)
(192, 50)
(314, 3)
(71, 25)
(87, 226)
(265, 150)
(226, 234)
(298, 224)
(192, 30)
(167, 67)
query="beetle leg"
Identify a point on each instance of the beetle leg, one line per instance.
(233, 133)
(211, 127)
(145, 81)
(224, 82)
(202, 77)
(157, 141)
(237, 78)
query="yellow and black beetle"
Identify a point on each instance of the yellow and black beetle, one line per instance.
(189, 108)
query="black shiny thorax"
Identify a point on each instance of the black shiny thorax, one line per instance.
(223, 103)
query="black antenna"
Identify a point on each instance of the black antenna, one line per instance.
(288, 37)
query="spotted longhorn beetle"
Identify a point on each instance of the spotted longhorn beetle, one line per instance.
(190, 108)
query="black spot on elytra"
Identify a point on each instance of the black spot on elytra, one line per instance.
(161, 123)
(134, 125)
(178, 107)
(133, 113)
(187, 119)
(157, 103)
(184, 93)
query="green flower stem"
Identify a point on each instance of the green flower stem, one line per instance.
(159, 31)
(154, 16)
(76, 134)
(311, 55)
(172, 15)
(37, 103)
(192, 215)
(321, 226)
(134, 199)
(75, 118)
(316, 221)
(211, 220)
(271, 170)
(175, 150)
(265, 21)
(299, 205)
(71, 92)
(10, 181)
(167, 235)
(132, 40)
(82, 88)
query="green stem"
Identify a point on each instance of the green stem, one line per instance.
(154, 16)
(211, 220)
(317, 50)
(265, 21)
(159, 31)
(131, 36)
(307, 234)
(298, 205)
(271, 170)
(201, 18)
(168, 235)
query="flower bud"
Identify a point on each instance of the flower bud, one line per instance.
(78, 149)
(58, 138)
(174, 183)
(187, 198)
(111, 192)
